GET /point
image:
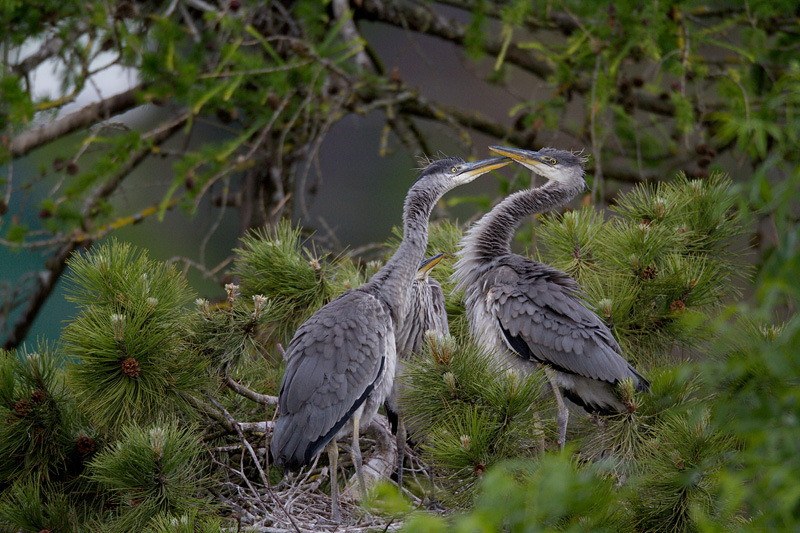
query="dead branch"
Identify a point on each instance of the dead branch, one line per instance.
(411, 104)
(48, 49)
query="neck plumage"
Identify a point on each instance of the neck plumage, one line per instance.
(491, 235)
(392, 282)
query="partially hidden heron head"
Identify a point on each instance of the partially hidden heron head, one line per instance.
(426, 265)
(455, 171)
(555, 165)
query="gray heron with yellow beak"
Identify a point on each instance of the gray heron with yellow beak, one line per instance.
(530, 313)
(341, 361)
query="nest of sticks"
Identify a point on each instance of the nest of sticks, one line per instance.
(300, 502)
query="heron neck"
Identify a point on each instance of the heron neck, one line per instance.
(492, 234)
(392, 282)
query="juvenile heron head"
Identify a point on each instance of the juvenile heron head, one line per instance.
(455, 171)
(555, 165)
(426, 265)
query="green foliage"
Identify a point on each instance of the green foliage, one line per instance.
(755, 380)
(152, 470)
(683, 465)
(131, 358)
(39, 426)
(15, 103)
(386, 499)
(619, 441)
(658, 272)
(189, 522)
(552, 494)
(277, 264)
(228, 335)
(469, 412)
(26, 507)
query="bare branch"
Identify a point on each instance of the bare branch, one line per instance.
(240, 389)
(411, 104)
(48, 49)
(92, 113)
(381, 463)
(342, 13)
(421, 20)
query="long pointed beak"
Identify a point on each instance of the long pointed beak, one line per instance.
(426, 265)
(474, 169)
(529, 158)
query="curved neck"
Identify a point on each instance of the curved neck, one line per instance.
(492, 234)
(391, 283)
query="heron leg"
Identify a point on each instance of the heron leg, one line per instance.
(562, 416)
(356, 452)
(401, 450)
(333, 460)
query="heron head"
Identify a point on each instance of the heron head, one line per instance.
(555, 165)
(426, 265)
(455, 171)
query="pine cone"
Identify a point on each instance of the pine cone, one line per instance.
(677, 306)
(22, 407)
(38, 396)
(479, 469)
(130, 367)
(85, 445)
(650, 272)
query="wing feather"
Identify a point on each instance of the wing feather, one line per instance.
(334, 361)
(540, 315)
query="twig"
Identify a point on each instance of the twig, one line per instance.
(246, 443)
(416, 18)
(250, 394)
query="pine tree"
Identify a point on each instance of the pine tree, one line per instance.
(131, 361)
(43, 436)
(152, 470)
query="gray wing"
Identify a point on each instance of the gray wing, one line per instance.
(334, 361)
(541, 318)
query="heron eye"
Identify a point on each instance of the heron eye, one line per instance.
(551, 161)
(454, 170)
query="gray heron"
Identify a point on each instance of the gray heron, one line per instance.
(426, 312)
(341, 361)
(532, 313)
